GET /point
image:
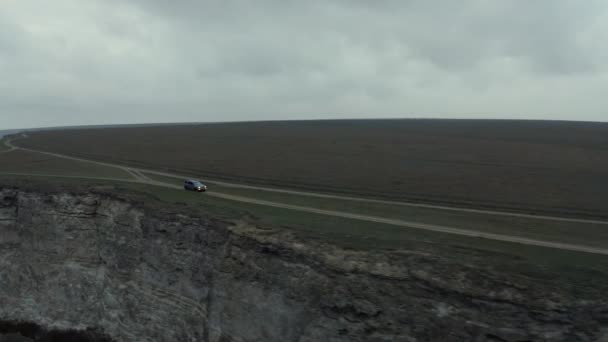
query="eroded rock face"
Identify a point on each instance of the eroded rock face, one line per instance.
(91, 261)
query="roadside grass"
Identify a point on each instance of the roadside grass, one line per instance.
(588, 234)
(20, 161)
(583, 271)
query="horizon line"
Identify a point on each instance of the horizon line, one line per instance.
(168, 123)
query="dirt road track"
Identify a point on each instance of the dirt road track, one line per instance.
(11, 148)
(414, 225)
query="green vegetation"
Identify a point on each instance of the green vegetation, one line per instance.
(586, 234)
(36, 163)
(366, 232)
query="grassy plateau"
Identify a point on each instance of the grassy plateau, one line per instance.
(540, 167)
(532, 166)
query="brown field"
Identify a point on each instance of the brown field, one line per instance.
(533, 166)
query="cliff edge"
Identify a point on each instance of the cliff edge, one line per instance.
(90, 260)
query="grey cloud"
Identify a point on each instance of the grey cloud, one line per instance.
(452, 35)
(151, 60)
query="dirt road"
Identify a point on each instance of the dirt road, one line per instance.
(140, 178)
(8, 144)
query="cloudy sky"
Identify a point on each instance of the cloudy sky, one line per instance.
(70, 62)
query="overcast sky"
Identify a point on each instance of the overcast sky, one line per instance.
(71, 62)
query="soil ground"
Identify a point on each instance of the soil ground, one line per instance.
(531, 166)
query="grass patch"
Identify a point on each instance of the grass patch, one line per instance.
(20, 161)
(588, 234)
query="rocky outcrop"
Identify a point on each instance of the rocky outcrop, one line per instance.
(92, 261)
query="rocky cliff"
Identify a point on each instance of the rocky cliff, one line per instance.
(93, 261)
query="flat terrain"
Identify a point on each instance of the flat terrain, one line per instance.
(529, 166)
(461, 225)
(20, 161)
(583, 270)
(529, 230)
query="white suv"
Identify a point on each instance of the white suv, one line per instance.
(194, 185)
